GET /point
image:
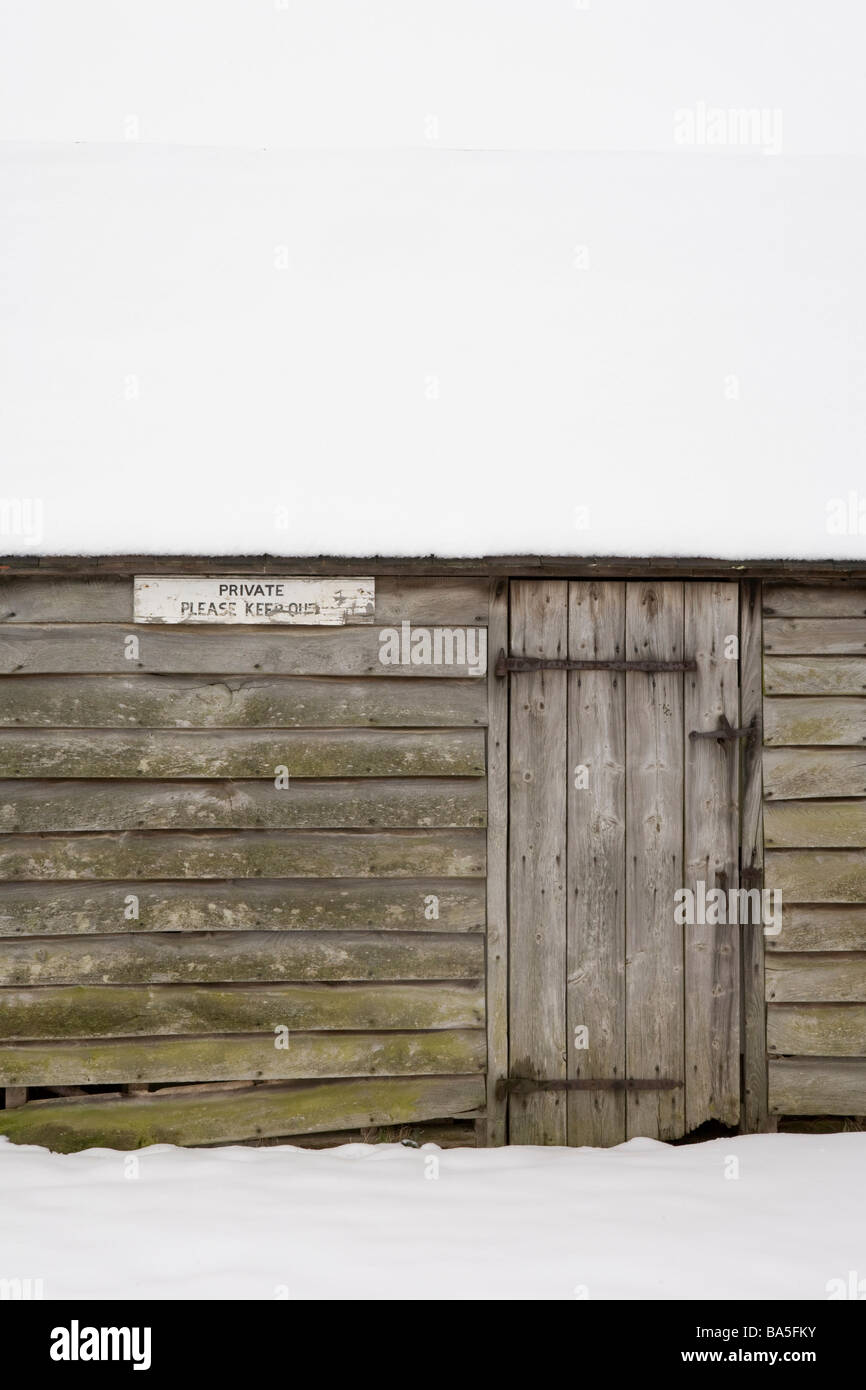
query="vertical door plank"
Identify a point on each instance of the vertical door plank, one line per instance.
(654, 841)
(497, 868)
(755, 1108)
(596, 862)
(712, 958)
(537, 947)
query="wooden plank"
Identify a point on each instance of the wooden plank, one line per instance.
(814, 928)
(222, 1116)
(226, 957)
(254, 854)
(101, 648)
(818, 876)
(654, 841)
(428, 601)
(302, 805)
(69, 909)
(495, 1126)
(824, 721)
(814, 601)
(308, 1055)
(121, 1011)
(820, 824)
(838, 978)
(793, 675)
(218, 702)
(712, 825)
(537, 856)
(14, 1096)
(803, 772)
(815, 636)
(87, 599)
(817, 1030)
(201, 753)
(819, 1086)
(35, 599)
(595, 989)
(754, 1111)
(521, 566)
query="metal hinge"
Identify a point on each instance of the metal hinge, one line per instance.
(726, 732)
(525, 1085)
(752, 876)
(506, 664)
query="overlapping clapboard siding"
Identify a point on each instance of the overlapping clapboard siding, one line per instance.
(815, 838)
(165, 908)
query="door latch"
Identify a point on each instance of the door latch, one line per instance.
(726, 733)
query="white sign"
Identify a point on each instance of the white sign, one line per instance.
(250, 598)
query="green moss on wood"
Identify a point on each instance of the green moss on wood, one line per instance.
(196, 753)
(69, 909)
(257, 1111)
(223, 957)
(263, 854)
(109, 1011)
(241, 1058)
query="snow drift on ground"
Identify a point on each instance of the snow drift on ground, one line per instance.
(769, 1216)
(314, 277)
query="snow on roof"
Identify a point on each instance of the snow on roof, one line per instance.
(402, 351)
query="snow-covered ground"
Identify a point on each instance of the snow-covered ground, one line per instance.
(764, 1216)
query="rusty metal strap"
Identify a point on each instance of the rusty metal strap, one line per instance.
(526, 1085)
(506, 664)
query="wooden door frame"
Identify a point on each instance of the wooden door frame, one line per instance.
(753, 1040)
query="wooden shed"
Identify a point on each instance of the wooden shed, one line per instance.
(309, 850)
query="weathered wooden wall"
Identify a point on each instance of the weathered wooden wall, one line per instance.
(165, 908)
(815, 838)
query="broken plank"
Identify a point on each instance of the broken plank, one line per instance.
(221, 1116)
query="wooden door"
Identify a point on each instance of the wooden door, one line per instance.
(613, 808)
